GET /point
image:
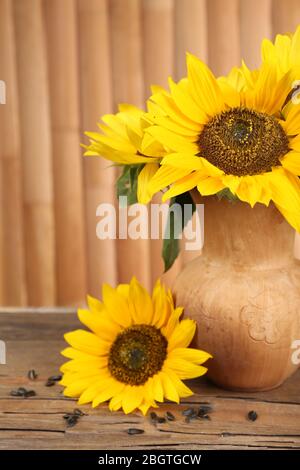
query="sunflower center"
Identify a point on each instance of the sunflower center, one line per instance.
(243, 142)
(137, 354)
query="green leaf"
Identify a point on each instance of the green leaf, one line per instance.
(227, 194)
(171, 245)
(127, 183)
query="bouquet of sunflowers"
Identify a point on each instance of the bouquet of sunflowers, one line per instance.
(235, 136)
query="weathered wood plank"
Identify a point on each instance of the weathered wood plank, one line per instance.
(35, 341)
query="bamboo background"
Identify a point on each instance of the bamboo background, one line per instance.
(65, 63)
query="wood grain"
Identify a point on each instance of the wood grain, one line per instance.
(37, 423)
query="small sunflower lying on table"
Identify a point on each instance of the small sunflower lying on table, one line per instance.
(136, 353)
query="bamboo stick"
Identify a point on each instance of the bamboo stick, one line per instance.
(36, 152)
(66, 152)
(223, 35)
(254, 28)
(12, 262)
(126, 37)
(96, 99)
(285, 16)
(190, 32)
(158, 62)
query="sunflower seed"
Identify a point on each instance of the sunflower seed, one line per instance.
(170, 416)
(188, 411)
(50, 383)
(161, 420)
(32, 375)
(22, 392)
(132, 431)
(204, 417)
(78, 412)
(55, 378)
(204, 409)
(72, 420)
(30, 393)
(252, 415)
(153, 417)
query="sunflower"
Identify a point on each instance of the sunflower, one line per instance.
(123, 141)
(136, 353)
(235, 132)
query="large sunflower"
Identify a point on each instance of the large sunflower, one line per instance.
(123, 141)
(235, 133)
(136, 353)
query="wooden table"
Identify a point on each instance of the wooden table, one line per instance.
(34, 340)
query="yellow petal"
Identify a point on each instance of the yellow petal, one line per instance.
(186, 104)
(165, 176)
(170, 391)
(132, 398)
(145, 176)
(291, 162)
(207, 91)
(172, 141)
(189, 354)
(186, 161)
(158, 391)
(183, 185)
(112, 389)
(99, 324)
(185, 369)
(87, 342)
(182, 390)
(116, 305)
(140, 303)
(182, 334)
(210, 185)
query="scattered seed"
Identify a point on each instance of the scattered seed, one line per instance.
(22, 392)
(170, 416)
(205, 417)
(161, 419)
(78, 412)
(132, 431)
(55, 378)
(252, 415)
(30, 393)
(32, 375)
(50, 383)
(153, 417)
(188, 411)
(204, 410)
(72, 420)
